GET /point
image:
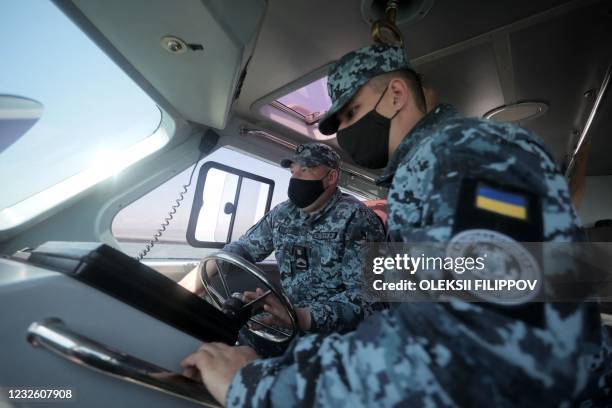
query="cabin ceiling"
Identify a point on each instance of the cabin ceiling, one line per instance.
(475, 54)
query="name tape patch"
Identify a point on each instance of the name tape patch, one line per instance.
(325, 235)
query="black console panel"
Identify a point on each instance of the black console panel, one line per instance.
(125, 278)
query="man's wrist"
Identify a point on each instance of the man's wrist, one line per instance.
(304, 318)
(192, 282)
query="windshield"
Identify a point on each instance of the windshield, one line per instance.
(91, 110)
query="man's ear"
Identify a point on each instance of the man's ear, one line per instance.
(400, 92)
(334, 175)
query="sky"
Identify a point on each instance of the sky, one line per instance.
(312, 97)
(90, 107)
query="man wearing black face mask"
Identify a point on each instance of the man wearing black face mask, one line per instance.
(317, 237)
(449, 176)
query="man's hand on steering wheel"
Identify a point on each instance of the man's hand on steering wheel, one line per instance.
(278, 315)
(221, 297)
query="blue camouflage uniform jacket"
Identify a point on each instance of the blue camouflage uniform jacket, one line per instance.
(320, 257)
(454, 353)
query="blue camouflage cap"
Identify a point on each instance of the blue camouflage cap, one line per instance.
(355, 69)
(313, 154)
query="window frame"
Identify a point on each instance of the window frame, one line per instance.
(269, 110)
(284, 108)
(198, 201)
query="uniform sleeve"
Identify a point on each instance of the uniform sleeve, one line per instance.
(427, 185)
(257, 243)
(292, 380)
(367, 367)
(346, 309)
(414, 355)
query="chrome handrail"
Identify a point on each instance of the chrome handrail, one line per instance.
(53, 335)
(585, 130)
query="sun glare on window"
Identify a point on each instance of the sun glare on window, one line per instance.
(68, 108)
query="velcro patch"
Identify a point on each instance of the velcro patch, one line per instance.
(300, 257)
(501, 202)
(486, 204)
(326, 235)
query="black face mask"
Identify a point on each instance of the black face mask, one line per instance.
(302, 193)
(367, 140)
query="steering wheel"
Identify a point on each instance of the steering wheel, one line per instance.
(278, 335)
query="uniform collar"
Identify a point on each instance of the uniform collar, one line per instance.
(311, 218)
(417, 133)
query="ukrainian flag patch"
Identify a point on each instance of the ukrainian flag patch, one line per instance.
(501, 202)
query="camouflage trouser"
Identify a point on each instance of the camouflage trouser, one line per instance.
(262, 347)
